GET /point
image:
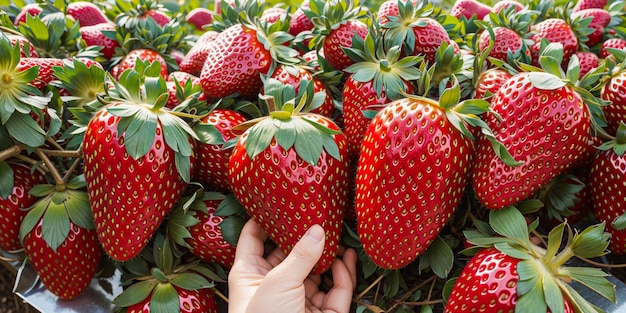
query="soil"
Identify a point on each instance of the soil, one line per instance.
(9, 302)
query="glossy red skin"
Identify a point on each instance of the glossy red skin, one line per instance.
(357, 96)
(505, 40)
(273, 14)
(412, 173)
(93, 36)
(488, 284)
(469, 8)
(199, 17)
(129, 60)
(194, 60)
(287, 196)
(13, 208)
(589, 4)
(86, 13)
(502, 5)
(212, 160)
(615, 43)
(32, 9)
(338, 39)
(490, 81)
(608, 187)
(130, 198)
(548, 131)
(68, 271)
(15, 39)
(554, 30)
(234, 63)
(159, 17)
(45, 69)
(182, 78)
(588, 61)
(207, 242)
(327, 108)
(428, 38)
(191, 301)
(601, 19)
(615, 92)
(299, 21)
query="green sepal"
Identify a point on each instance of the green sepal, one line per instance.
(55, 225)
(555, 237)
(231, 229)
(7, 180)
(163, 257)
(79, 209)
(530, 288)
(24, 129)
(32, 218)
(77, 182)
(579, 303)
(139, 132)
(135, 293)
(593, 278)
(228, 206)
(41, 190)
(545, 81)
(208, 134)
(510, 223)
(551, 59)
(439, 257)
(191, 281)
(591, 242)
(619, 223)
(164, 299)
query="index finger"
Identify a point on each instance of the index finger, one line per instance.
(251, 241)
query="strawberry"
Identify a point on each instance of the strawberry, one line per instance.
(13, 206)
(504, 4)
(32, 9)
(613, 91)
(336, 25)
(470, 8)
(146, 55)
(554, 30)
(299, 22)
(194, 59)
(199, 17)
(239, 55)
(590, 4)
(411, 147)
(190, 301)
(294, 75)
(544, 124)
(377, 78)
(181, 86)
(389, 8)
(138, 160)
(94, 36)
(600, 20)
(44, 65)
(59, 238)
(273, 14)
(505, 41)
(511, 274)
(86, 13)
(588, 61)
(212, 159)
(490, 81)
(290, 171)
(23, 42)
(613, 43)
(142, 10)
(607, 180)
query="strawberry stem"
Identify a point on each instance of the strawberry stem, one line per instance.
(71, 170)
(10, 152)
(53, 170)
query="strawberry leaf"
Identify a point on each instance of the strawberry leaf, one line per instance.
(190, 281)
(592, 278)
(530, 288)
(140, 132)
(24, 129)
(6, 180)
(229, 206)
(579, 302)
(135, 293)
(552, 294)
(591, 242)
(208, 134)
(55, 225)
(439, 257)
(79, 210)
(231, 229)
(259, 137)
(309, 146)
(41, 190)
(555, 237)
(545, 81)
(510, 223)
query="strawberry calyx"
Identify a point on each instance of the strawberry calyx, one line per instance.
(400, 28)
(559, 195)
(274, 37)
(385, 68)
(139, 99)
(618, 144)
(327, 16)
(59, 208)
(543, 278)
(54, 35)
(82, 82)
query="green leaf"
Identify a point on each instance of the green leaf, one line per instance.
(24, 129)
(593, 278)
(164, 299)
(135, 293)
(532, 301)
(140, 133)
(229, 206)
(439, 257)
(545, 81)
(33, 217)
(591, 242)
(41, 190)
(191, 281)
(510, 223)
(231, 229)
(55, 225)
(555, 237)
(79, 209)
(552, 293)
(309, 144)
(183, 166)
(447, 288)
(259, 137)
(513, 250)
(620, 222)
(208, 134)
(286, 134)
(6, 180)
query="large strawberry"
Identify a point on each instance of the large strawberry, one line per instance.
(44, 65)
(600, 20)
(545, 125)
(555, 30)
(94, 35)
(613, 91)
(194, 59)
(608, 184)
(143, 54)
(138, 158)
(469, 9)
(86, 13)
(415, 161)
(290, 171)
(510, 274)
(13, 205)
(59, 238)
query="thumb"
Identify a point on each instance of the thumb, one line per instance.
(303, 257)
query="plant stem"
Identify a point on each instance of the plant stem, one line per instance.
(431, 280)
(51, 141)
(220, 294)
(62, 153)
(598, 264)
(10, 152)
(71, 170)
(378, 279)
(53, 170)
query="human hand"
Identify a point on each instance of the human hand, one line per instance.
(280, 283)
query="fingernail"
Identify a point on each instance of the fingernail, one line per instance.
(316, 233)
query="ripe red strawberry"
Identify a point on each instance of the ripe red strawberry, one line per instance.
(238, 56)
(32, 9)
(600, 20)
(13, 207)
(94, 36)
(490, 81)
(86, 13)
(289, 180)
(293, 75)
(506, 41)
(588, 61)
(522, 277)
(23, 41)
(194, 60)
(299, 21)
(545, 126)
(138, 161)
(146, 55)
(59, 238)
(388, 8)
(607, 180)
(45, 65)
(190, 301)
(613, 91)
(143, 10)
(411, 148)
(181, 86)
(614, 43)
(590, 4)
(469, 8)
(504, 4)
(212, 159)
(273, 14)
(199, 17)
(555, 30)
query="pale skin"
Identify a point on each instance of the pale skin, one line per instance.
(282, 283)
